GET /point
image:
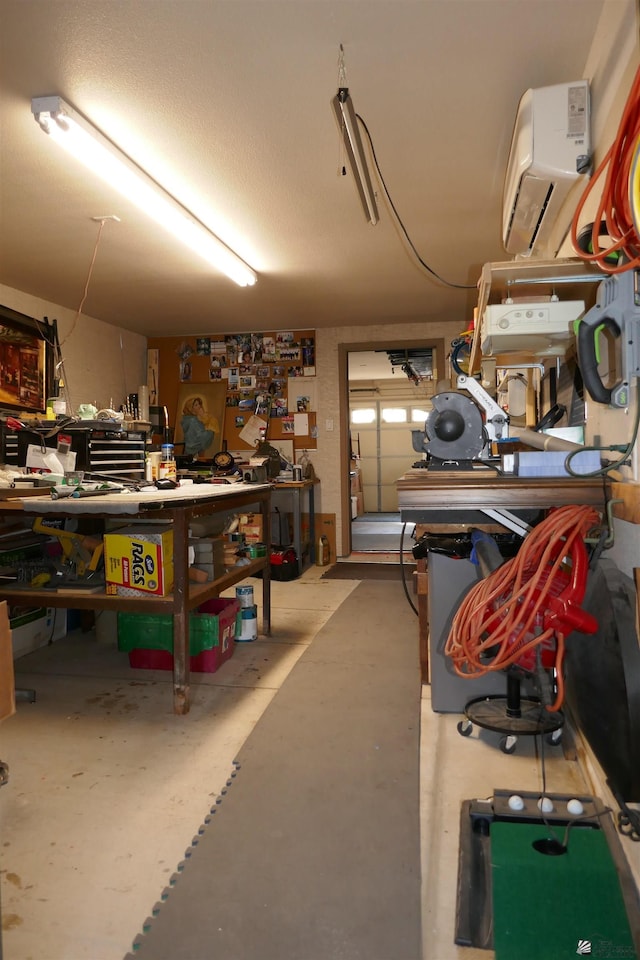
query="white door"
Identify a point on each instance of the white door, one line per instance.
(381, 436)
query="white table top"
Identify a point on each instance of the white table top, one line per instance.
(133, 501)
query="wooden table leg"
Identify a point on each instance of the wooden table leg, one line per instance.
(266, 572)
(181, 691)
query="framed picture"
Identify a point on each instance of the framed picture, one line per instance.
(26, 362)
(199, 419)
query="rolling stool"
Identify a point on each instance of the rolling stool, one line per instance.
(513, 716)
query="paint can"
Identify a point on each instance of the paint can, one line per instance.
(248, 625)
(244, 595)
(167, 469)
(297, 474)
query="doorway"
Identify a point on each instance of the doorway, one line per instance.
(385, 398)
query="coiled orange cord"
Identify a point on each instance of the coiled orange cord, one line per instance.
(502, 618)
(614, 208)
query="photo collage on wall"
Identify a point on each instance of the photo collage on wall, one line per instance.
(257, 368)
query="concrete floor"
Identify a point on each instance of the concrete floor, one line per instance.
(107, 787)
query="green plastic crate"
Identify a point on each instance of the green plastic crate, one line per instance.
(210, 626)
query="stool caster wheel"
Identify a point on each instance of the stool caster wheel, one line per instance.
(554, 738)
(508, 744)
(465, 728)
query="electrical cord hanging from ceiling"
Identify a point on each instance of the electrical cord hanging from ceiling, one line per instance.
(430, 270)
(59, 357)
(102, 220)
(617, 213)
(505, 616)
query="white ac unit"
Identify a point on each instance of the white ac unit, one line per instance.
(550, 151)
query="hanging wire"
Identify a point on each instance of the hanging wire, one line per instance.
(342, 70)
(433, 273)
(103, 220)
(342, 82)
(60, 372)
(402, 572)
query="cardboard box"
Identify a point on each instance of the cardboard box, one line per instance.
(35, 627)
(140, 559)
(209, 556)
(251, 526)
(325, 523)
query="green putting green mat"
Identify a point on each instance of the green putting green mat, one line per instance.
(555, 907)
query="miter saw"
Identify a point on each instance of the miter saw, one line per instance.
(459, 430)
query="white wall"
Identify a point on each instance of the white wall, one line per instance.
(102, 363)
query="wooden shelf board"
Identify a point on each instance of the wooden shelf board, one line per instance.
(629, 508)
(77, 600)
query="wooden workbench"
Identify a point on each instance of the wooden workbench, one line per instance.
(178, 506)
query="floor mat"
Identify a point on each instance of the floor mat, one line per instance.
(348, 570)
(552, 907)
(313, 852)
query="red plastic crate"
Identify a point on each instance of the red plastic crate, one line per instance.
(207, 661)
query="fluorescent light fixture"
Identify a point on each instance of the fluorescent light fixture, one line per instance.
(348, 124)
(84, 142)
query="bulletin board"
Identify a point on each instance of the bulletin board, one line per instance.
(268, 375)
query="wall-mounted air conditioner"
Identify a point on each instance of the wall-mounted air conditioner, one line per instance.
(550, 152)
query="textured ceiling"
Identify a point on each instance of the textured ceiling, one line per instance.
(227, 104)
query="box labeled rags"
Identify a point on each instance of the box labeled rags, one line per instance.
(140, 558)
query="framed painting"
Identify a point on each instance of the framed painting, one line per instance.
(199, 419)
(26, 362)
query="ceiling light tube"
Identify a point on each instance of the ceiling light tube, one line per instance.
(348, 124)
(83, 141)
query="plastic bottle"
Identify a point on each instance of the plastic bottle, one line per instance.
(322, 551)
(168, 463)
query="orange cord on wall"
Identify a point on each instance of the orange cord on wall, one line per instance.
(614, 208)
(530, 601)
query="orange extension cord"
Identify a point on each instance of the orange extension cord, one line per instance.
(495, 624)
(614, 208)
